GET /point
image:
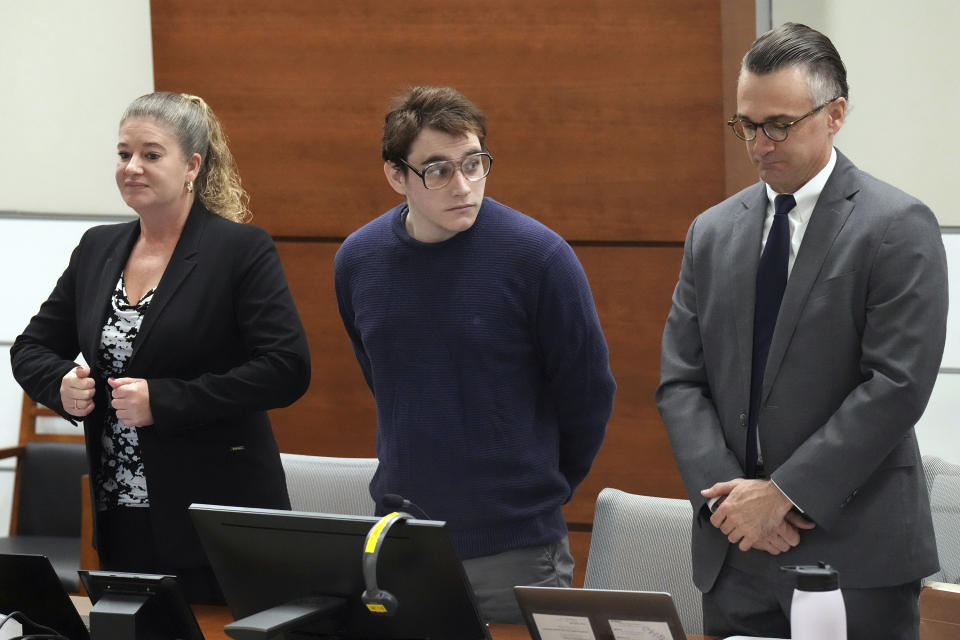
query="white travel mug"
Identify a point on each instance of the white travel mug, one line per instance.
(817, 611)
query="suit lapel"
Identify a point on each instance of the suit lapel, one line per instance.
(829, 215)
(743, 254)
(178, 269)
(107, 282)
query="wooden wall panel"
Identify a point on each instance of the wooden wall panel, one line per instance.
(632, 287)
(579, 549)
(337, 416)
(738, 18)
(605, 117)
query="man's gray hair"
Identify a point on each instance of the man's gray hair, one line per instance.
(792, 45)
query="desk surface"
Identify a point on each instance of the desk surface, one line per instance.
(939, 607)
(212, 620)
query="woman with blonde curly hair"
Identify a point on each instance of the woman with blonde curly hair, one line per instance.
(191, 335)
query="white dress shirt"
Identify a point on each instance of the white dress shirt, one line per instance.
(806, 197)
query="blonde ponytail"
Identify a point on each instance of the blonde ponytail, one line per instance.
(198, 130)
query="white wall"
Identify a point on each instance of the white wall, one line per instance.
(938, 429)
(904, 95)
(68, 68)
(901, 60)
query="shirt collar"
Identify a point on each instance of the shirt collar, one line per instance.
(807, 195)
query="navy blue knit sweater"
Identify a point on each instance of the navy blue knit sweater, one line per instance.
(489, 371)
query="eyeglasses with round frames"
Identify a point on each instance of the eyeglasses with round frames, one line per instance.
(777, 131)
(437, 175)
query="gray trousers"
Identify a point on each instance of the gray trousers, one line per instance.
(493, 577)
(741, 603)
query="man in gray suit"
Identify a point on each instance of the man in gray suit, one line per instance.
(804, 340)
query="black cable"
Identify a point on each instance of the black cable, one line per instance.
(9, 616)
(396, 502)
(21, 617)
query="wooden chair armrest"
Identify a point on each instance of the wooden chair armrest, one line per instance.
(14, 452)
(11, 452)
(88, 555)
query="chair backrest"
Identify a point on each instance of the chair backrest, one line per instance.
(330, 485)
(943, 483)
(642, 543)
(46, 515)
(51, 467)
(48, 489)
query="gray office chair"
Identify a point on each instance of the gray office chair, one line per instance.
(943, 484)
(641, 543)
(329, 485)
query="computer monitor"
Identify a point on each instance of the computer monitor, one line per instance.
(305, 570)
(144, 606)
(29, 584)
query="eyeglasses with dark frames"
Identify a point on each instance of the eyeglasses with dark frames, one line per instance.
(777, 131)
(437, 175)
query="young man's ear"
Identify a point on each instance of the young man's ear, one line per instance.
(395, 177)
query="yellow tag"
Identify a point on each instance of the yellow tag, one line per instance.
(376, 608)
(374, 534)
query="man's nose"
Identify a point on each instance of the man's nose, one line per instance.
(460, 182)
(763, 144)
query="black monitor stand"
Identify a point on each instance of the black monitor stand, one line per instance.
(120, 615)
(141, 606)
(321, 614)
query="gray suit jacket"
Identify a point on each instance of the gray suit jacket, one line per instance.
(853, 360)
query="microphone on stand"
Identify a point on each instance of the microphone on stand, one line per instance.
(396, 502)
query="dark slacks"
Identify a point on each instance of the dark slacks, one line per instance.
(127, 545)
(745, 604)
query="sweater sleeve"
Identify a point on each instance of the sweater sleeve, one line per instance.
(341, 281)
(575, 362)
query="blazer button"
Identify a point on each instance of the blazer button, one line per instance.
(848, 499)
(743, 420)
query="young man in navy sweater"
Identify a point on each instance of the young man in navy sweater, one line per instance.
(476, 331)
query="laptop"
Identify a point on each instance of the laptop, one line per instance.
(555, 613)
(29, 584)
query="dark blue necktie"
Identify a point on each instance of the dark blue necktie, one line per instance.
(771, 282)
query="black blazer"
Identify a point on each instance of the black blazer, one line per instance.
(220, 344)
